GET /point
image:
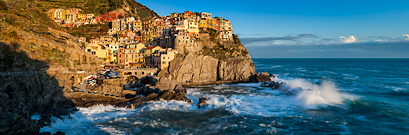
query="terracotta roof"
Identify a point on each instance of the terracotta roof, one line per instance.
(150, 47)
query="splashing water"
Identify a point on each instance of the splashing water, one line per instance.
(312, 96)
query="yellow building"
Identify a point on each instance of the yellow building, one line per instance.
(137, 25)
(60, 14)
(203, 23)
(193, 27)
(51, 13)
(97, 50)
(211, 23)
(81, 16)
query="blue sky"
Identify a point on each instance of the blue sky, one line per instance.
(309, 28)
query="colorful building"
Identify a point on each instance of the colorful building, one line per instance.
(150, 52)
(162, 61)
(109, 16)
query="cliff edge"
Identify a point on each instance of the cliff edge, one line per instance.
(213, 63)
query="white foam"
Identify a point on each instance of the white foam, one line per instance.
(85, 121)
(276, 66)
(312, 96)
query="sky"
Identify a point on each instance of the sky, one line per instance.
(309, 28)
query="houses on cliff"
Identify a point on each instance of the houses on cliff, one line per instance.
(154, 43)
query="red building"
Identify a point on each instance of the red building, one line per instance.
(109, 16)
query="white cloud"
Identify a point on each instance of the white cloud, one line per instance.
(349, 39)
(406, 36)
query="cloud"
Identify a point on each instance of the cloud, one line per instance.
(406, 36)
(257, 40)
(349, 39)
(355, 50)
(306, 35)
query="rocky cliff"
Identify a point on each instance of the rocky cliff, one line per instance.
(209, 65)
(24, 93)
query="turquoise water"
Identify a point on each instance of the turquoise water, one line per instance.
(331, 96)
(380, 85)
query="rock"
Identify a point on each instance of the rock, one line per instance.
(11, 124)
(263, 77)
(1, 55)
(59, 133)
(196, 68)
(202, 102)
(125, 92)
(129, 96)
(189, 101)
(239, 69)
(147, 80)
(273, 85)
(272, 76)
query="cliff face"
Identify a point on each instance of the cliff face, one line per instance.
(23, 93)
(199, 68)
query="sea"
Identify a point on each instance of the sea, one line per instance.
(328, 96)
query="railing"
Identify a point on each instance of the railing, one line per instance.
(127, 69)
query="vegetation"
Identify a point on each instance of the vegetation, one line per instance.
(89, 31)
(23, 15)
(99, 7)
(224, 52)
(236, 39)
(214, 35)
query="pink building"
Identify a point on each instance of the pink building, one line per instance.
(163, 60)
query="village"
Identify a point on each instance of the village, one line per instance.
(131, 43)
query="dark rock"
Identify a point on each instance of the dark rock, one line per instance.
(45, 133)
(263, 77)
(168, 95)
(189, 101)
(147, 80)
(273, 85)
(129, 96)
(11, 124)
(59, 133)
(45, 120)
(202, 102)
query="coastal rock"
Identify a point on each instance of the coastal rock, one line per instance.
(59, 133)
(263, 77)
(1, 55)
(197, 68)
(202, 102)
(13, 124)
(239, 69)
(273, 85)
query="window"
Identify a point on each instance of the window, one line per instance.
(163, 62)
(163, 57)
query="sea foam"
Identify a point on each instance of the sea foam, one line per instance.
(312, 96)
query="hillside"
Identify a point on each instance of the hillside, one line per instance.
(32, 63)
(99, 7)
(30, 15)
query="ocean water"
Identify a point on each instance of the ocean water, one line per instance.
(320, 96)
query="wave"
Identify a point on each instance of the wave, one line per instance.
(312, 96)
